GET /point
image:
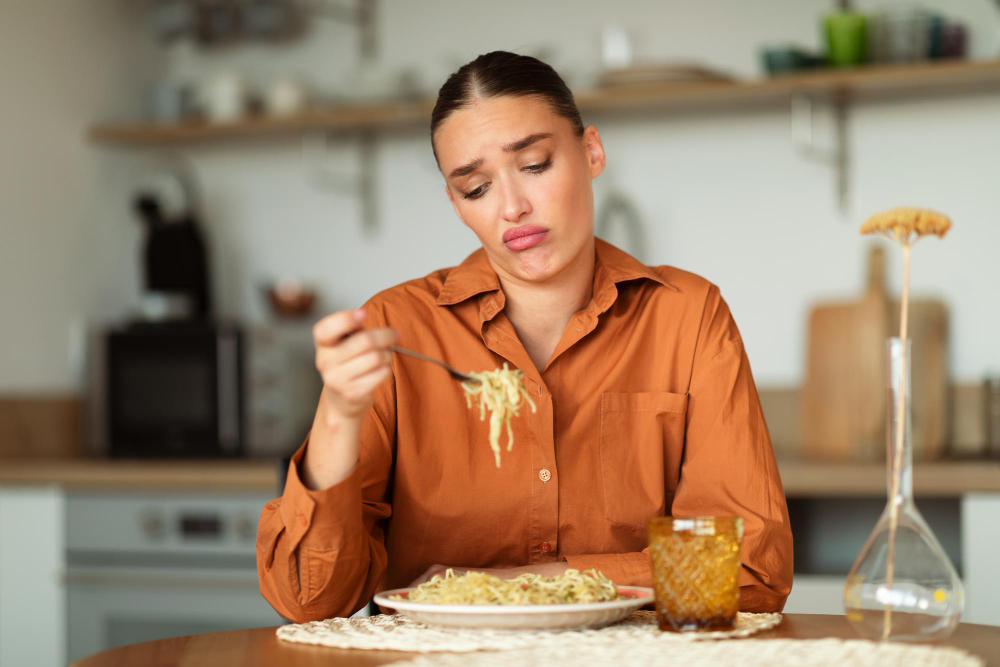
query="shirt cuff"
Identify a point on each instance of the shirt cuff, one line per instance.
(756, 597)
(320, 519)
(626, 569)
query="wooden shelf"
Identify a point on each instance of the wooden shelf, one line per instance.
(883, 82)
(814, 479)
(356, 118)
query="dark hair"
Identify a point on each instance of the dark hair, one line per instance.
(504, 73)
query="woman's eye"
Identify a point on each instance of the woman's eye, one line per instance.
(538, 168)
(531, 169)
(477, 193)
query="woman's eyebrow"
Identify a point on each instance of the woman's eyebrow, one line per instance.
(527, 141)
(466, 168)
(513, 147)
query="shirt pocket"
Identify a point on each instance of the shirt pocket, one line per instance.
(636, 430)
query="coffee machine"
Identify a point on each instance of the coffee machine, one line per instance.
(175, 257)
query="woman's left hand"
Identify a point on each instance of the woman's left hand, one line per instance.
(545, 569)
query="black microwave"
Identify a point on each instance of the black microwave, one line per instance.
(168, 389)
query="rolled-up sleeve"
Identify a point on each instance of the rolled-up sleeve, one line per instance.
(728, 466)
(322, 553)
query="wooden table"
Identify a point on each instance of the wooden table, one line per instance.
(260, 646)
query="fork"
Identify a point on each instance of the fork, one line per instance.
(454, 372)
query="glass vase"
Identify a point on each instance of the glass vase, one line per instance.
(902, 585)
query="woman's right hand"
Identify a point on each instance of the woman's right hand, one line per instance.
(352, 361)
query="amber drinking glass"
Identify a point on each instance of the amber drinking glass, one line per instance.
(696, 563)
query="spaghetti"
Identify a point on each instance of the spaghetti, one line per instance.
(480, 588)
(502, 392)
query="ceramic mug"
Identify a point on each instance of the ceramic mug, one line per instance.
(285, 97)
(225, 98)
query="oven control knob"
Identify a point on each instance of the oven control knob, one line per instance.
(152, 525)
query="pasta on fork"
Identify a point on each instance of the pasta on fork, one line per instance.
(502, 392)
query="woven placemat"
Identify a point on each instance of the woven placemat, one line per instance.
(395, 632)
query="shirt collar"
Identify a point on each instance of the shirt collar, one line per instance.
(620, 266)
(475, 276)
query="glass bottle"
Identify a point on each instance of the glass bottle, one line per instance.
(919, 596)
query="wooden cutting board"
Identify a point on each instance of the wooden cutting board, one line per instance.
(844, 395)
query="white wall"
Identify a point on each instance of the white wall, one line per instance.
(66, 241)
(722, 194)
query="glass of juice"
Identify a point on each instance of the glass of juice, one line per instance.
(696, 564)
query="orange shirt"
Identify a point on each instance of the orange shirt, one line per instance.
(646, 407)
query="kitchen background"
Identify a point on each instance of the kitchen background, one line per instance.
(724, 189)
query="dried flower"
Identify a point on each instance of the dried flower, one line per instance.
(907, 224)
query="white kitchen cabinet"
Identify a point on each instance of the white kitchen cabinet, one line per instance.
(980, 546)
(32, 596)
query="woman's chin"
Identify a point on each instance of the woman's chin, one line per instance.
(537, 264)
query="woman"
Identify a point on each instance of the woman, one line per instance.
(645, 401)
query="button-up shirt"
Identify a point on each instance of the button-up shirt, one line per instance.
(646, 407)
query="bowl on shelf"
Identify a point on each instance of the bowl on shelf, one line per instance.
(290, 298)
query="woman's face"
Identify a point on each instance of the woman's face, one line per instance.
(520, 178)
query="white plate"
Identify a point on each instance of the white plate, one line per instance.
(520, 617)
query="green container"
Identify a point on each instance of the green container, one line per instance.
(846, 38)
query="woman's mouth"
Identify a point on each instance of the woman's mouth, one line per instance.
(525, 236)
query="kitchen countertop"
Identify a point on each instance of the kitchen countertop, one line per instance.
(190, 474)
(818, 479)
(801, 479)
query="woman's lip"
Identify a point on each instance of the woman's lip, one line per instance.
(524, 242)
(523, 230)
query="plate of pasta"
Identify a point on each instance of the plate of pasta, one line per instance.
(573, 599)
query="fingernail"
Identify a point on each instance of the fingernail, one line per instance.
(360, 314)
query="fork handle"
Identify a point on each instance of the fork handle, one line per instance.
(423, 357)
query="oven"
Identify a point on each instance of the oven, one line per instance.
(144, 566)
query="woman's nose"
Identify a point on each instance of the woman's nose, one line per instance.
(515, 202)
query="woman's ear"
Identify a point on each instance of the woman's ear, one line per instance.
(594, 147)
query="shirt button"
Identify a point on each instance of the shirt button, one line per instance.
(545, 547)
(544, 474)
